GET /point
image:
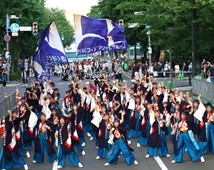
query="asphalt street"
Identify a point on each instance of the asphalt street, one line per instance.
(62, 85)
(90, 163)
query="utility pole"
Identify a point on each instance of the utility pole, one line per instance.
(170, 56)
(148, 32)
(149, 49)
(7, 56)
(193, 39)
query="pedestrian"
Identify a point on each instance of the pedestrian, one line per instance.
(211, 73)
(119, 73)
(24, 77)
(4, 78)
(126, 66)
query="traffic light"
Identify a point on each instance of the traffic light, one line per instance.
(35, 28)
(121, 22)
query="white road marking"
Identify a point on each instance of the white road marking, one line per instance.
(55, 165)
(160, 163)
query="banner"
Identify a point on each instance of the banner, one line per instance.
(94, 35)
(50, 49)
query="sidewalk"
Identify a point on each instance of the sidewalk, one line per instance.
(186, 88)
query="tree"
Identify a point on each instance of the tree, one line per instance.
(23, 46)
(64, 27)
(170, 21)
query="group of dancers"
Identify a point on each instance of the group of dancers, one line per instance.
(111, 115)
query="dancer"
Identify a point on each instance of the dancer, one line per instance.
(103, 136)
(43, 142)
(120, 145)
(66, 147)
(185, 142)
(157, 137)
(10, 157)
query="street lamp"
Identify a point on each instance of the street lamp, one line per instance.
(134, 25)
(149, 44)
(170, 84)
(148, 32)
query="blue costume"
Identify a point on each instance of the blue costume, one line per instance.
(120, 146)
(206, 134)
(66, 147)
(10, 156)
(43, 143)
(135, 123)
(157, 139)
(187, 141)
(103, 137)
(145, 127)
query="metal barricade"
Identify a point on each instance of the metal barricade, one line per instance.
(204, 88)
(9, 103)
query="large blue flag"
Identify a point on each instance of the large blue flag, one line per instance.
(94, 35)
(50, 49)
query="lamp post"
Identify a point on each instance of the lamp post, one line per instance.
(148, 32)
(149, 46)
(170, 58)
(134, 25)
(170, 83)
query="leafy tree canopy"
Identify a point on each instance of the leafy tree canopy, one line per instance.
(171, 23)
(24, 45)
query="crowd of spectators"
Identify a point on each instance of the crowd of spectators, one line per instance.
(207, 71)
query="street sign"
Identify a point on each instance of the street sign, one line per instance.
(148, 29)
(7, 54)
(25, 28)
(15, 34)
(7, 23)
(133, 25)
(150, 50)
(7, 38)
(14, 27)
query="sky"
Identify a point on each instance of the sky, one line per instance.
(72, 6)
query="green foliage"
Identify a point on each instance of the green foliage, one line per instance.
(171, 22)
(15, 76)
(23, 46)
